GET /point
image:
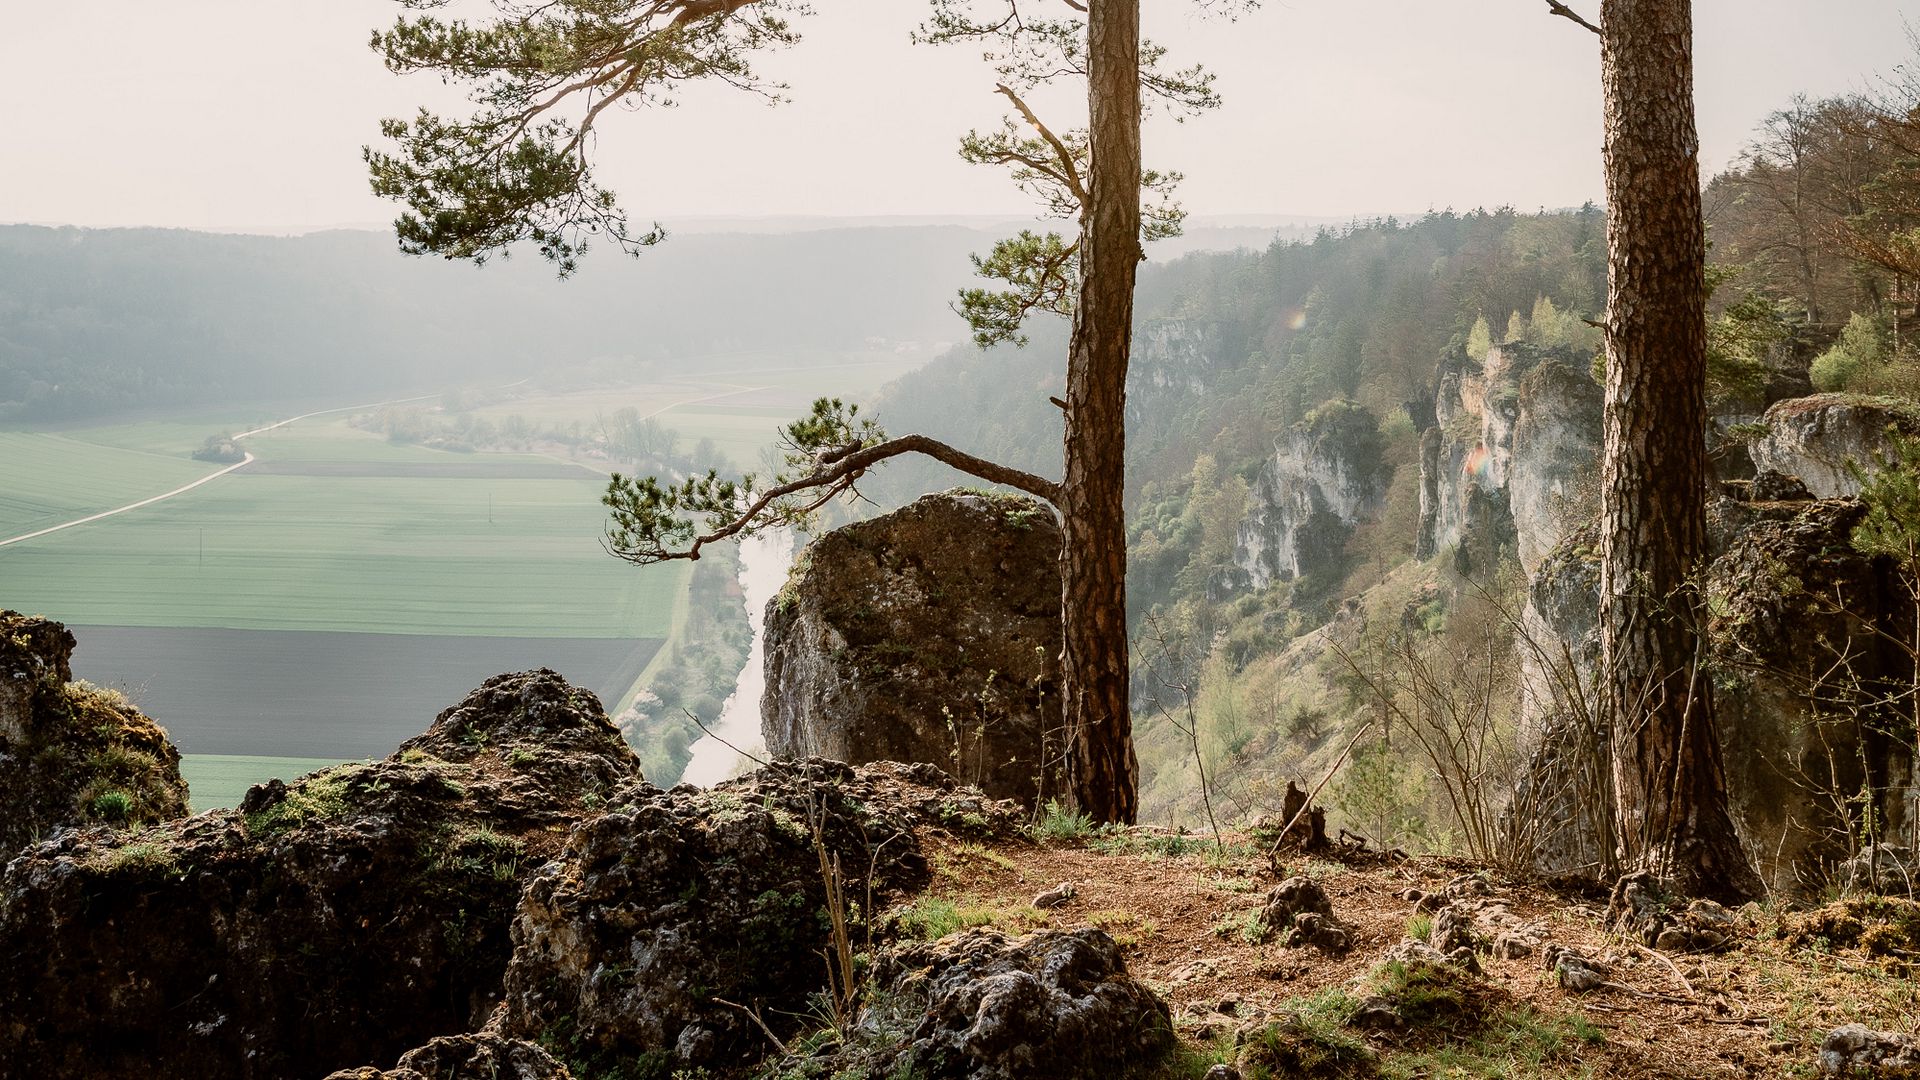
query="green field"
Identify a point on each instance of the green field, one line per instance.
(216, 780)
(47, 479)
(400, 556)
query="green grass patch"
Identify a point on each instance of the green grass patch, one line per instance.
(930, 917)
(317, 798)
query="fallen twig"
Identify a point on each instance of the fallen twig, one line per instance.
(1657, 955)
(759, 1023)
(715, 736)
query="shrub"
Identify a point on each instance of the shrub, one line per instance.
(113, 805)
(1061, 825)
(1860, 349)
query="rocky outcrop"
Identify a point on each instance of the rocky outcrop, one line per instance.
(1326, 474)
(1802, 633)
(341, 919)
(628, 945)
(982, 1006)
(930, 634)
(70, 753)
(1816, 438)
(1511, 457)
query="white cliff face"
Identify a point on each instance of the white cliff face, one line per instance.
(1553, 464)
(1513, 455)
(1324, 477)
(1814, 438)
(1178, 357)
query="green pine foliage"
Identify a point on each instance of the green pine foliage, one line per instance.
(1891, 493)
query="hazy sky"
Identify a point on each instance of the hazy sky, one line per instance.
(251, 113)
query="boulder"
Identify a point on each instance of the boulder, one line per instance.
(628, 945)
(982, 1006)
(343, 918)
(73, 754)
(1803, 634)
(931, 634)
(1857, 1050)
(1815, 438)
(1299, 911)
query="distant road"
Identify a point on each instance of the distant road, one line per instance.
(183, 489)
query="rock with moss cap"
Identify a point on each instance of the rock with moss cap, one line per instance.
(1816, 437)
(343, 918)
(930, 634)
(71, 753)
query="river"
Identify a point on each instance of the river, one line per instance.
(764, 561)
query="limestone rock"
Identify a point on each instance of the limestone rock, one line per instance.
(343, 918)
(73, 754)
(1855, 1049)
(1510, 458)
(1049, 1004)
(672, 900)
(1815, 437)
(1299, 911)
(930, 634)
(1886, 868)
(1771, 486)
(1410, 952)
(1325, 475)
(1574, 971)
(1795, 614)
(1453, 929)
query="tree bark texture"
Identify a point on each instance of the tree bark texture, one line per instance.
(1669, 785)
(1102, 772)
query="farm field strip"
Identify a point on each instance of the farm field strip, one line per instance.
(464, 557)
(314, 694)
(48, 479)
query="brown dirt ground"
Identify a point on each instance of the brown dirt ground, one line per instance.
(1758, 1010)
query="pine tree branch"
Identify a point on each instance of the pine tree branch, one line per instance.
(837, 473)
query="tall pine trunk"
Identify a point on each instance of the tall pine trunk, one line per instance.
(1102, 773)
(1670, 787)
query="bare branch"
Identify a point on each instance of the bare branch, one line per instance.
(1069, 169)
(1565, 12)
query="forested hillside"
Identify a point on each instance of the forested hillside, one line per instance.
(1359, 466)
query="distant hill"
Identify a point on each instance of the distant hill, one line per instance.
(99, 321)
